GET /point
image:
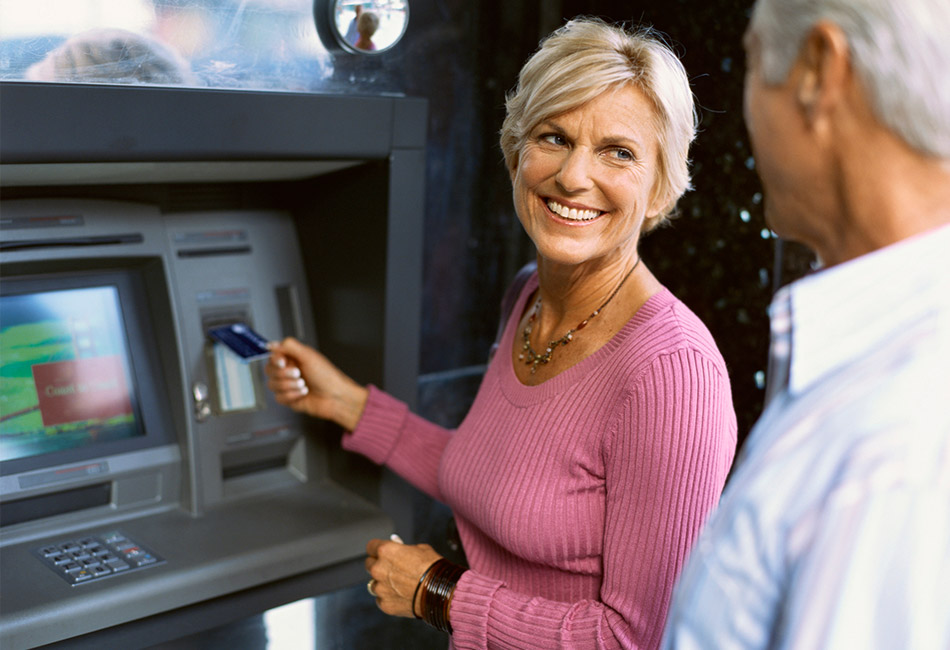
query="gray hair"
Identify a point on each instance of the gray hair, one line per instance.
(583, 59)
(900, 50)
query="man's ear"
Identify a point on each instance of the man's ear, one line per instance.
(824, 67)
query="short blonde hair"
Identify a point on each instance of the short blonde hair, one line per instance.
(586, 57)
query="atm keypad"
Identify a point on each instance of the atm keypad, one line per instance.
(93, 557)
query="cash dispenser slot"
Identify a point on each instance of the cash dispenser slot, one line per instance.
(40, 507)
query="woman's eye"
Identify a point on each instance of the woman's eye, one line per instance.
(621, 154)
(554, 138)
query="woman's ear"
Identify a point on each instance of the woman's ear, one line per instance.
(513, 168)
(659, 204)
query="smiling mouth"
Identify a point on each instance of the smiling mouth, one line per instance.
(572, 214)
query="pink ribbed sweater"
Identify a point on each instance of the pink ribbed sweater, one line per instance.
(576, 500)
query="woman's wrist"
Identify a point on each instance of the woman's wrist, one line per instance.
(350, 405)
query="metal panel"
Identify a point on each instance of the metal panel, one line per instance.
(57, 123)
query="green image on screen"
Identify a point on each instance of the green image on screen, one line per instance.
(65, 378)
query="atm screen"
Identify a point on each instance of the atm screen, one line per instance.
(66, 374)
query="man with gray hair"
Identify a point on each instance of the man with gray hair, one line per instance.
(834, 530)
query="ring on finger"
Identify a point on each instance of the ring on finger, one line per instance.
(369, 587)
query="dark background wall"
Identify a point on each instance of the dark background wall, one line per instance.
(718, 256)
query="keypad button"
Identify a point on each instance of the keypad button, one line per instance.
(96, 556)
(80, 576)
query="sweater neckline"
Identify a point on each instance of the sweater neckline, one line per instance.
(524, 395)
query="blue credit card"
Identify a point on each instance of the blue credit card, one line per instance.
(242, 340)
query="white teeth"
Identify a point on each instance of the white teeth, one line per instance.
(572, 213)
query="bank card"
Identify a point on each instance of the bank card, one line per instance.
(242, 340)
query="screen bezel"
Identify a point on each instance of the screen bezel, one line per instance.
(149, 391)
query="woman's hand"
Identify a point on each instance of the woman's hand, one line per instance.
(396, 569)
(306, 381)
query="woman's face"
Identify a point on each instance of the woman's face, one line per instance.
(584, 179)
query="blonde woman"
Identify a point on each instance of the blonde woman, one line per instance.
(603, 430)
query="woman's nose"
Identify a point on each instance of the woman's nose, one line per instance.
(575, 172)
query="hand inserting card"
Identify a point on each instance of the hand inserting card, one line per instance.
(242, 340)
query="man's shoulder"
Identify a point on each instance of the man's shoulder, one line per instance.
(888, 416)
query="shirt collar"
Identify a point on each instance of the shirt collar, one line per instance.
(841, 313)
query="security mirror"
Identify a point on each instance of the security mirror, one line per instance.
(369, 27)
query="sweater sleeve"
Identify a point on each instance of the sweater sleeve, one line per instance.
(389, 434)
(666, 464)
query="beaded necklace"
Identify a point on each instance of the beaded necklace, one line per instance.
(532, 358)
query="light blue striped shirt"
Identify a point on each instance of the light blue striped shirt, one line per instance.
(834, 531)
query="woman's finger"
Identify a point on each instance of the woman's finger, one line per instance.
(372, 546)
(288, 385)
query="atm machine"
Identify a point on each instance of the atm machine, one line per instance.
(149, 484)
